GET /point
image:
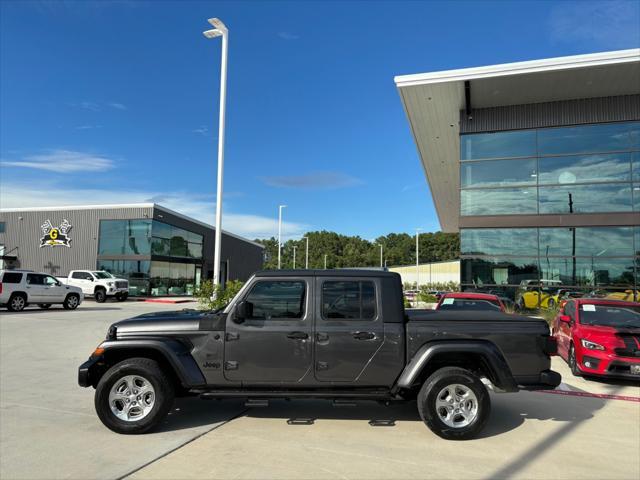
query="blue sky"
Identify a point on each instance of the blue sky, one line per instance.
(116, 102)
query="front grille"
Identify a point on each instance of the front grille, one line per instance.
(631, 346)
(122, 284)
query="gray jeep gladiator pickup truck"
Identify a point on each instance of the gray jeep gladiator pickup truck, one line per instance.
(335, 334)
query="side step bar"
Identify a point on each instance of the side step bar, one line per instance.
(261, 396)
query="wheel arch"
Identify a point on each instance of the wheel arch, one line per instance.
(173, 357)
(480, 357)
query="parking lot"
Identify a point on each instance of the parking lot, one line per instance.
(48, 427)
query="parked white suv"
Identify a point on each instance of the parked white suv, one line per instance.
(19, 288)
(99, 284)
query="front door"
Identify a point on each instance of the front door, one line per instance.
(349, 327)
(273, 344)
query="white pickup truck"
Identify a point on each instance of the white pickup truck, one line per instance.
(99, 284)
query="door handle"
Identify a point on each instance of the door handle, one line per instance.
(231, 336)
(298, 335)
(322, 337)
(364, 335)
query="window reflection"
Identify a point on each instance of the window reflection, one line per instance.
(636, 197)
(136, 271)
(497, 173)
(124, 237)
(498, 271)
(498, 201)
(521, 143)
(491, 241)
(585, 198)
(584, 168)
(598, 241)
(606, 137)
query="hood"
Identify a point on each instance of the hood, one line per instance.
(186, 320)
(610, 336)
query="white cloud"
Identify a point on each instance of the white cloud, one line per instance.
(200, 207)
(94, 107)
(288, 36)
(202, 130)
(611, 24)
(117, 106)
(63, 161)
(311, 181)
(87, 127)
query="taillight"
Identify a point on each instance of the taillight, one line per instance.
(551, 346)
(0, 287)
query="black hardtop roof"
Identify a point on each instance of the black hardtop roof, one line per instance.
(340, 272)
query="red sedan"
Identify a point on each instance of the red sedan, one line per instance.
(600, 337)
(470, 301)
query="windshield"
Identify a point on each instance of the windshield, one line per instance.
(468, 304)
(610, 315)
(102, 275)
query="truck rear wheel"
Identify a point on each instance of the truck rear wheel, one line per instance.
(133, 396)
(454, 403)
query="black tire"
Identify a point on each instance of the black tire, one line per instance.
(149, 370)
(17, 302)
(100, 295)
(71, 302)
(44, 306)
(573, 362)
(122, 297)
(435, 384)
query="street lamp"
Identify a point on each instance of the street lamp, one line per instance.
(418, 258)
(380, 255)
(294, 257)
(325, 261)
(220, 30)
(280, 207)
(306, 262)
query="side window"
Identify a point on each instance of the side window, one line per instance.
(11, 277)
(80, 275)
(49, 280)
(271, 300)
(351, 300)
(570, 310)
(35, 279)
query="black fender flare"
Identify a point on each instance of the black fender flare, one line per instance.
(173, 351)
(501, 375)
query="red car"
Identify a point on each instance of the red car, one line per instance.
(599, 337)
(470, 301)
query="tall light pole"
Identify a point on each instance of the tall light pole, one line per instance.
(280, 207)
(294, 257)
(325, 261)
(381, 255)
(418, 258)
(220, 30)
(306, 262)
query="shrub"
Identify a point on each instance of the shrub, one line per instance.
(211, 298)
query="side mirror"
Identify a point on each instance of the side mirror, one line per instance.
(243, 311)
(565, 318)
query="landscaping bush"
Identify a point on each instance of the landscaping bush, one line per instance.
(209, 301)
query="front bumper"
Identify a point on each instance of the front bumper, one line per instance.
(84, 372)
(605, 364)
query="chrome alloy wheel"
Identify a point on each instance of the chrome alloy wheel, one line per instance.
(132, 398)
(72, 302)
(457, 406)
(18, 303)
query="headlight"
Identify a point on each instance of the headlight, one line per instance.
(110, 284)
(591, 345)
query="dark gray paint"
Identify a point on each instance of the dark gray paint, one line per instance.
(261, 355)
(551, 114)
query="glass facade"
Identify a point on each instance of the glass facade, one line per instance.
(579, 169)
(585, 259)
(170, 258)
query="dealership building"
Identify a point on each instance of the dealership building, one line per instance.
(160, 251)
(537, 165)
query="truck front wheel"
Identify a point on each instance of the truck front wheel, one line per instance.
(100, 295)
(454, 403)
(133, 396)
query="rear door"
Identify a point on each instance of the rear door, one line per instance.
(273, 345)
(349, 327)
(564, 330)
(84, 280)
